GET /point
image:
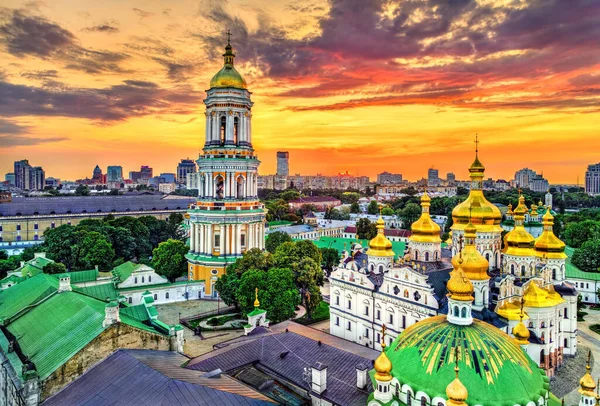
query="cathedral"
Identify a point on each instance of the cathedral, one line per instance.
(227, 218)
(515, 281)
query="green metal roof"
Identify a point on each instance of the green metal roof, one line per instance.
(571, 271)
(338, 243)
(101, 292)
(137, 312)
(256, 312)
(26, 293)
(124, 270)
(83, 276)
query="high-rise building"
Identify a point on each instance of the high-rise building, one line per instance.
(10, 178)
(530, 179)
(592, 179)
(134, 176)
(386, 178)
(145, 173)
(283, 163)
(167, 178)
(450, 177)
(37, 178)
(432, 177)
(22, 169)
(183, 168)
(228, 218)
(97, 175)
(114, 174)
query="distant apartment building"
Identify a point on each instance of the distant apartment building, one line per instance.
(433, 178)
(135, 176)
(320, 202)
(183, 168)
(97, 174)
(529, 179)
(145, 173)
(283, 163)
(167, 178)
(450, 177)
(167, 187)
(29, 177)
(386, 178)
(114, 174)
(10, 179)
(301, 182)
(52, 182)
(592, 179)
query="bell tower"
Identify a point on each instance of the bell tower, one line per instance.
(227, 218)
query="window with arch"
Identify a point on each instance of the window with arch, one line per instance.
(155, 296)
(512, 269)
(135, 280)
(235, 130)
(423, 401)
(130, 300)
(222, 129)
(554, 274)
(455, 311)
(381, 268)
(522, 270)
(240, 187)
(167, 295)
(416, 255)
(142, 279)
(463, 312)
(426, 256)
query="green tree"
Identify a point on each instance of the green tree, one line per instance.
(227, 286)
(349, 197)
(289, 194)
(587, 257)
(253, 259)
(139, 231)
(168, 259)
(54, 268)
(331, 258)
(354, 208)
(387, 211)
(3, 255)
(249, 282)
(373, 207)
(276, 209)
(275, 239)
(62, 245)
(365, 229)
(577, 233)
(280, 297)
(82, 190)
(409, 214)
(174, 228)
(95, 249)
(122, 242)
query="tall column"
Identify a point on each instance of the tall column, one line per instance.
(229, 128)
(262, 235)
(192, 237)
(210, 239)
(248, 236)
(201, 239)
(242, 128)
(249, 127)
(207, 130)
(239, 240)
(215, 127)
(222, 240)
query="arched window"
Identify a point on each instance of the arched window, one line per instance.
(512, 269)
(219, 182)
(416, 255)
(426, 259)
(142, 279)
(522, 270)
(463, 312)
(135, 280)
(240, 188)
(130, 300)
(456, 311)
(223, 126)
(235, 130)
(167, 295)
(149, 278)
(423, 401)
(554, 274)
(155, 296)
(381, 268)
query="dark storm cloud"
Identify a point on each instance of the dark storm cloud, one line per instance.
(29, 35)
(116, 103)
(8, 127)
(175, 70)
(106, 28)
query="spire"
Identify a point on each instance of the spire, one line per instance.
(520, 331)
(456, 391)
(256, 302)
(586, 383)
(383, 365)
(476, 169)
(228, 56)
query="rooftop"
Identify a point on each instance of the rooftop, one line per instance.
(314, 199)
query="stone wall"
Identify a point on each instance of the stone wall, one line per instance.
(117, 336)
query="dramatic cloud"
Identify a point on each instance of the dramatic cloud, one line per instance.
(8, 127)
(142, 13)
(40, 74)
(116, 103)
(7, 141)
(107, 28)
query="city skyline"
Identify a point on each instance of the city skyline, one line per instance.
(338, 96)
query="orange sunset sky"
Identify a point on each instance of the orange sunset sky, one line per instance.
(357, 85)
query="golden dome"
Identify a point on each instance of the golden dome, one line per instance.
(587, 383)
(547, 244)
(383, 365)
(456, 391)
(510, 310)
(485, 216)
(380, 246)
(535, 296)
(534, 212)
(256, 302)
(518, 241)
(459, 286)
(474, 265)
(228, 76)
(425, 229)
(510, 211)
(521, 332)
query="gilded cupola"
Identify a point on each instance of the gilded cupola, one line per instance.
(380, 246)
(425, 229)
(474, 265)
(455, 391)
(548, 245)
(586, 383)
(459, 286)
(383, 365)
(518, 241)
(228, 76)
(520, 331)
(483, 214)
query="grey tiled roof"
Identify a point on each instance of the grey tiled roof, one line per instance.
(129, 377)
(28, 206)
(287, 354)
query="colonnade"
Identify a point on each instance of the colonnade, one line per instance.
(234, 239)
(213, 127)
(208, 183)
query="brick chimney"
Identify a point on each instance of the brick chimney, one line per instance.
(319, 378)
(64, 283)
(111, 314)
(361, 376)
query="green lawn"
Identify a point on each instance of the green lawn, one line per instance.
(321, 313)
(595, 328)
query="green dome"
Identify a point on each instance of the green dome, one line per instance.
(228, 77)
(493, 368)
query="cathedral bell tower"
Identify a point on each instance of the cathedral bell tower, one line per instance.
(227, 219)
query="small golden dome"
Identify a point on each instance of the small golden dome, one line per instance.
(459, 286)
(484, 215)
(228, 76)
(547, 244)
(521, 332)
(256, 302)
(380, 246)
(474, 265)
(587, 383)
(518, 241)
(383, 365)
(425, 229)
(535, 296)
(456, 392)
(510, 211)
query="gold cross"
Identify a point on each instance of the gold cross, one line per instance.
(460, 243)
(228, 36)
(383, 330)
(476, 143)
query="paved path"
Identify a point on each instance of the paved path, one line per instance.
(300, 312)
(587, 338)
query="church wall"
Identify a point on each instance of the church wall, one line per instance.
(117, 336)
(167, 294)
